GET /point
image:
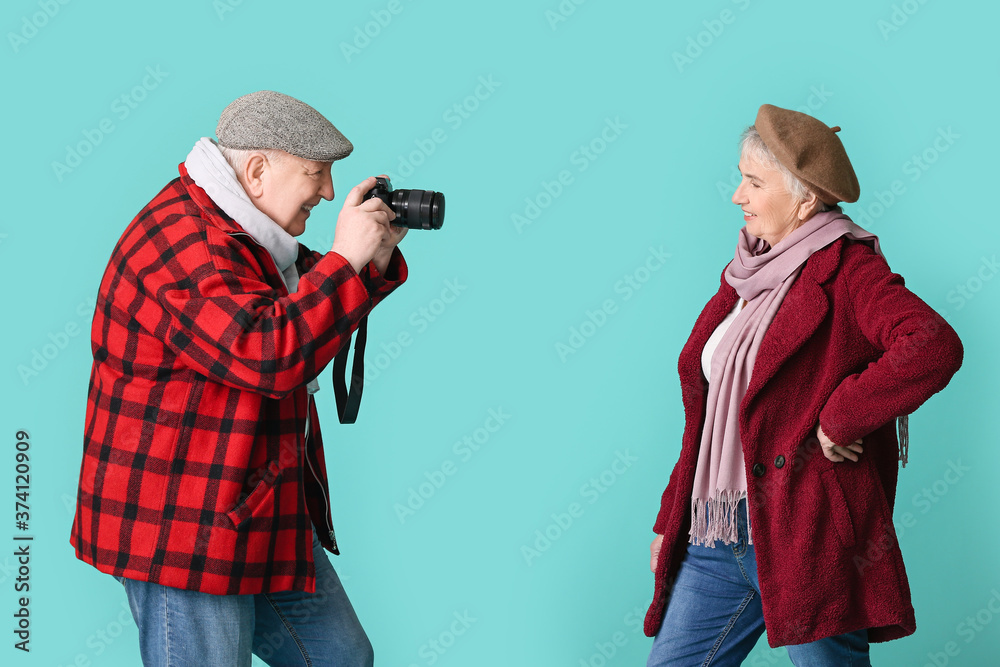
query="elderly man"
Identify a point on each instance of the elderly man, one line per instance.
(203, 487)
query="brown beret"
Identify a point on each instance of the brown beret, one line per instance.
(811, 151)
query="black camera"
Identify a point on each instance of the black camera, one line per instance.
(416, 209)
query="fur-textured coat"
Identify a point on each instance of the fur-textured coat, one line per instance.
(851, 349)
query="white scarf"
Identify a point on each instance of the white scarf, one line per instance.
(212, 173)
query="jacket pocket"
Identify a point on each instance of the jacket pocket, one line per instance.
(841, 516)
(260, 500)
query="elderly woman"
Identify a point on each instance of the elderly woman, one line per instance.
(778, 514)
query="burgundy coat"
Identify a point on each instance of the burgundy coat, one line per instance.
(852, 349)
(196, 473)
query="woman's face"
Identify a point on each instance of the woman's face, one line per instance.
(770, 212)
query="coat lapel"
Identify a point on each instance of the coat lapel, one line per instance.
(800, 314)
(711, 317)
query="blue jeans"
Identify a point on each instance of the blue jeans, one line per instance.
(190, 629)
(714, 616)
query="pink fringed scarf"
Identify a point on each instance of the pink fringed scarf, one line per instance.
(762, 276)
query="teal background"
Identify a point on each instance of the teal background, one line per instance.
(664, 182)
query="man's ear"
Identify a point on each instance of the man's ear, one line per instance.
(253, 175)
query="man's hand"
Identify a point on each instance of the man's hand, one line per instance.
(654, 552)
(389, 242)
(835, 452)
(363, 228)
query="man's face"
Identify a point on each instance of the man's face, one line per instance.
(290, 187)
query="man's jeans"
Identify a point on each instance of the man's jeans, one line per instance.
(189, 629)
(715, 618)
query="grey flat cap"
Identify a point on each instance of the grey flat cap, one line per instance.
(267, 119)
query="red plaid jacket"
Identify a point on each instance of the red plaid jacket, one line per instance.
(196, 471)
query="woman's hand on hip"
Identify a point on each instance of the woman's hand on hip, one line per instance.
(835, 452)
(654, 552)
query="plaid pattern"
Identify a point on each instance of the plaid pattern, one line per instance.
(196, 473)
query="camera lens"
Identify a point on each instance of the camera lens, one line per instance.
(418, 209)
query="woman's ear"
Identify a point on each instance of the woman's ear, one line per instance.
(810, 206)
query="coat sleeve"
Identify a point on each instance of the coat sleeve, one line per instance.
(225, 322)
(666, 505)
(378, 286)
(921, 351)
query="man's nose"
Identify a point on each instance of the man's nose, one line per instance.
(326, 189)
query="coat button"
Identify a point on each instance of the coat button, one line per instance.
(758, 469)
(779, 461)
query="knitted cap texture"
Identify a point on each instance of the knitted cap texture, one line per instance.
(267, 119)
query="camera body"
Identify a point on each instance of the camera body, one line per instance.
(416, 209)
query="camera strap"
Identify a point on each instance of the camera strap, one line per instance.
(348, 403)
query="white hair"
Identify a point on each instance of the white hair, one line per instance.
(238, 157)
(752, 146)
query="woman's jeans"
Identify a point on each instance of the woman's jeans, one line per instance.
(714, 616)
(190, 629)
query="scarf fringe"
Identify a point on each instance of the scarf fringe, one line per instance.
(715, 519)
(903, 430)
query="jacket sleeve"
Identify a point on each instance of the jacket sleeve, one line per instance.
(224, 321)
(378, 286)
(666, 505)
(921, 350)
